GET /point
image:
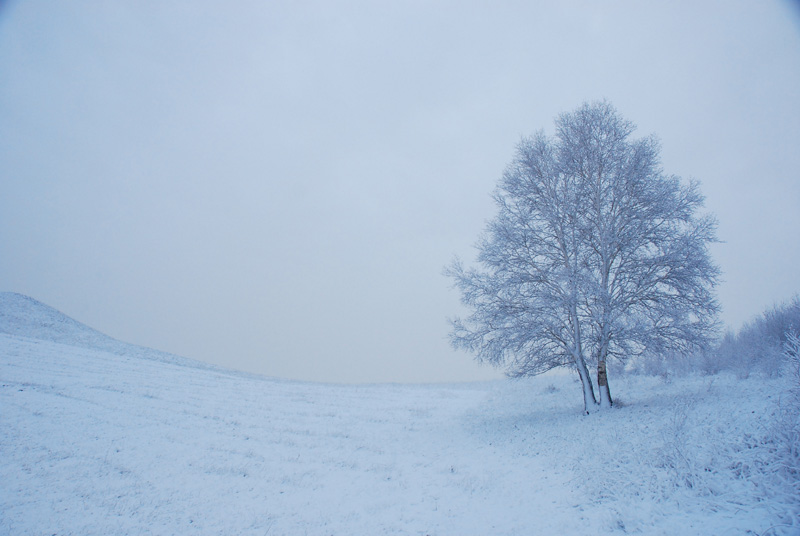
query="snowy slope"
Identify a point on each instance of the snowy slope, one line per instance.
(96, 442)
(23, 316)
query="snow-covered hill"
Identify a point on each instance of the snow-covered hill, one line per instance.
(99, 437)
(23, 316)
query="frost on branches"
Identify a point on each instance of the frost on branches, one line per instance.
(594, 254)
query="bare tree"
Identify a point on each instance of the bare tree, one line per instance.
(594, 254)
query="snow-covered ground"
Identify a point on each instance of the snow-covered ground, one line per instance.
(101, 437)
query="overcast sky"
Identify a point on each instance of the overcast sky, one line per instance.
(276, 186)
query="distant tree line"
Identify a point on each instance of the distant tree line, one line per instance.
(764, 345)
(759, 346)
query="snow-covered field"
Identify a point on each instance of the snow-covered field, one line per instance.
(101, 437)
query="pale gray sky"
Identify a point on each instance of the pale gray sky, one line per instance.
(276, 186)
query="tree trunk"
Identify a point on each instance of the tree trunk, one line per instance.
(602, 385)
(589, 401)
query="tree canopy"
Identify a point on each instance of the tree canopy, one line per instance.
(594, 254)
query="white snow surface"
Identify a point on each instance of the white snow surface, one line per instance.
(102, 437)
